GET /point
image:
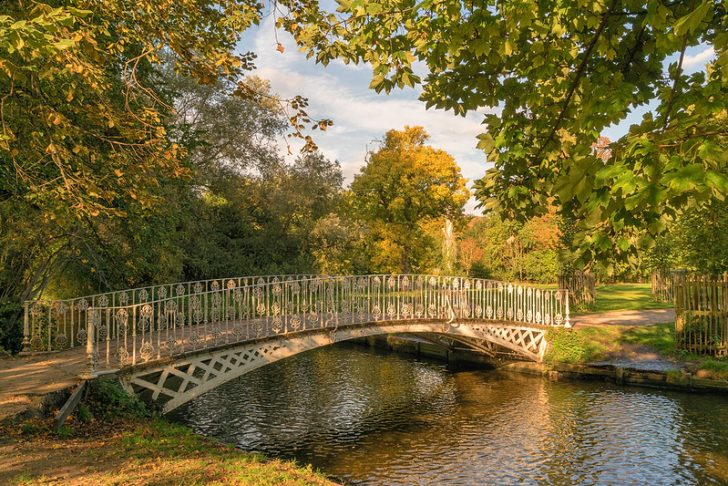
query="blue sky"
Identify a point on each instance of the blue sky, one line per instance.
(361, 116)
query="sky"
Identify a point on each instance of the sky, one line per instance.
(361, 116)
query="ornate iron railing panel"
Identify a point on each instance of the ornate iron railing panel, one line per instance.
(126, 329)
(55, 325)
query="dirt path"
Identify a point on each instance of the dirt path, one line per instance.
(625, 318)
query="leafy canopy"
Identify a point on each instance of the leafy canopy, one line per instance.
(554, 74)
(84, 118)
(510, 250)
(96, 165)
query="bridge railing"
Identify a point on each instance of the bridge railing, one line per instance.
(58, 324)
(237, 310)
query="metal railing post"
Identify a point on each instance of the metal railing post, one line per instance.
(26, 328)
(567, 322)
(90, 371)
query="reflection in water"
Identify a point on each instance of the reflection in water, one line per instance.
(367, 417)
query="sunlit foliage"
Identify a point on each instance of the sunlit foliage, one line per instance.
(491, 247)
(405, 188)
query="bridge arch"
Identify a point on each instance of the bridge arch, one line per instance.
(174, 382)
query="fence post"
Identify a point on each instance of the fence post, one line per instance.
(567, 321)
(26, 329)
(90, 371)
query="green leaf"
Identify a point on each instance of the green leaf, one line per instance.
(690, 22)
(377, 83)
(508, 47)
(64, 44)
(374, 8)
(486, 142)
(685, 178)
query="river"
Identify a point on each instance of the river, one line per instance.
(369, 417)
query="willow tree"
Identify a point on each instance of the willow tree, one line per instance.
(553, 74)
(404, 188)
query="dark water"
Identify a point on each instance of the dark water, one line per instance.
(373, 418)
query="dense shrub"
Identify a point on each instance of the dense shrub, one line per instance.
(107, 399)
(11, 327)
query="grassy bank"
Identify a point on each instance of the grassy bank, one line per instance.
(135, 452)
(113, 439)
(589, 344)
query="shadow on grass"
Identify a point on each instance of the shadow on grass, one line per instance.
(660, 337)
(625, 297)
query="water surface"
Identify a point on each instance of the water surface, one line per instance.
(371, 418)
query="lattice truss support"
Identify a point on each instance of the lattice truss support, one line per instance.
(179, 380)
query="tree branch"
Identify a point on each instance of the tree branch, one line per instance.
(577, 80)
(678, 73)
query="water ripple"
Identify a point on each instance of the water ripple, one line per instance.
(372, 418)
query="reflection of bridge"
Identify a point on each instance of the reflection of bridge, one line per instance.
(174, 342)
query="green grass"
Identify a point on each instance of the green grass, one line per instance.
(589, 344)
(660, 337)
(147, 451)
(580, 345)
(172, 443)
(626, 297)
(25, 478)
(716, 369)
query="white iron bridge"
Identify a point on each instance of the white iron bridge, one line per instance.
(171, 343)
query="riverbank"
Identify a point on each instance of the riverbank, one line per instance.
(644, 347)
(116, 441)
(129, 452)
(622, 375)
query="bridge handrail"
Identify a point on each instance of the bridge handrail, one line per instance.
(151, 288)
(39, 309)
(308, 278)
(197, 317)
(45, 319)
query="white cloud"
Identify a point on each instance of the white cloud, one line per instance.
(360, 116)
(699, 59)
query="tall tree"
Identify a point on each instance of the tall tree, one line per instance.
(246, 224)
(696, 241)
(554, 75)
(404, 186)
